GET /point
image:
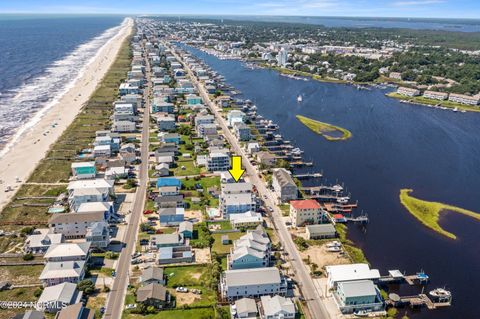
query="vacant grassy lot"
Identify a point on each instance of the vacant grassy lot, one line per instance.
(220, 248)
(27, 274)
(197, 313)
(185, 276)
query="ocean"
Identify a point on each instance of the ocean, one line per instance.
(40, 59)
(394, 145)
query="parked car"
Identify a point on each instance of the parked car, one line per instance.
(181, 289)
(270, 209)
(131, 306)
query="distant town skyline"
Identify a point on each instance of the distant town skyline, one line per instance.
(348, 8)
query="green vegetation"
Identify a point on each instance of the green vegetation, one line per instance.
(428, 213)
(196, 313)
(220, 248)
(325, 129)
(185, 276)
(201, 236)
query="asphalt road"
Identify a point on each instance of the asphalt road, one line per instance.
(312, 298)
(116, 298)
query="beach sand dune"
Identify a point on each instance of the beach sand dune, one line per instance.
(20, 161)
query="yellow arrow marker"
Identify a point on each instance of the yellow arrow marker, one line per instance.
(236, 170)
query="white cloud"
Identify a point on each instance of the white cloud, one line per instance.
(418, 2)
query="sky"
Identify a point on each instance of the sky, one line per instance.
(359, 8)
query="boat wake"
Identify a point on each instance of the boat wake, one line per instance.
(24, 106)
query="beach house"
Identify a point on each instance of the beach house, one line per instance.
(84, 170)
(58, 272)
(277, 307)
(218, 160)
(74, 225)
(252, 250)
(84, 191)
(360, 295)
(171, 216)
(283, 185)
(54, 298)
(254, 282)
(306, 211)
(235, 116)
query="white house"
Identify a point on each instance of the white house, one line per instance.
(58, 272)
(83, 191)
(351, 272)
(68, 252)
(253, 282)
(56, 297)
(277, 307)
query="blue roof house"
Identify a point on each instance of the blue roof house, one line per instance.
(168, 181)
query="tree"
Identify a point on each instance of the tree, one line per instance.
(87, 286)
(28, 257)
(146, 227)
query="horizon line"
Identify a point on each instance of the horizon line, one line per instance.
(227, 14)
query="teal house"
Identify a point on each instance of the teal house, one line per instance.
(358, 295)
(84, 170)
(193, 99)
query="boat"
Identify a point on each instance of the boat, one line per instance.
(361, 313)
(299, 98)
(335, 249)
(296, 151)
(335, 243)
(455, 109)
(440, 295)
(337, 188)
(343, 200)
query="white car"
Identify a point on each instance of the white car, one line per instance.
(131, 306)
(181, 289)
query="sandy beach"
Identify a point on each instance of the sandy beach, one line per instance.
(32, 146)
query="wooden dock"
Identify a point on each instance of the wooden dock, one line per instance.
(418, 301)
(308, 175)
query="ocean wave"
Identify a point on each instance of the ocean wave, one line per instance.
(23, 107)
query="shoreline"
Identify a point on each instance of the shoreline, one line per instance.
(24, 156)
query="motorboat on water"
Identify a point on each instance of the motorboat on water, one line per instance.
(455, 109)
(337, 188)
(299, 98)
(343, 200)
(440, 295)
(296, 151)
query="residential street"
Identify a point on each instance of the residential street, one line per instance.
(311, 295)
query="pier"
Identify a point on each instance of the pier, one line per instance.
(415, 301)
(308, 175)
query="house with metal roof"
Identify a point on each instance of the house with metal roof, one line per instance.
(75, 311)
(154, 295)
(68, 252)
(352, 296)
(253, 282)
(56, 297)
(171, 216)
(350, 272)
(244, 308)
(58, 272)
(320, 231)
(283, 184)
(152, 275)
(277, 307)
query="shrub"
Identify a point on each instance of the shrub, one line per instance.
(28, 257)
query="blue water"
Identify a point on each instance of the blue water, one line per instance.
(39, 57)
(394, 146)
(461, 25)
